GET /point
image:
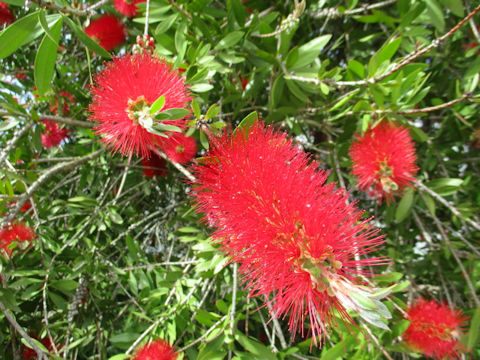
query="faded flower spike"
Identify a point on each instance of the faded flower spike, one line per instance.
(384, 160)
(297, 240)
(127, 97)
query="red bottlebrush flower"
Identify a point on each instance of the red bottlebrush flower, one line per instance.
(6, 15)
(434, 329)
(122, 97)
(154, 166)
(107, 30)
(64, 98)
(53, 135)
(21, 75)
(30, 354)
(295, 237)
(180, 148)
(384, 159)
(156, 350)
(244, 81)
(127, 7)
(18, 232)
(27, 206)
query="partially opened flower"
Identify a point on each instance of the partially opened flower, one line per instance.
(180, 148)
(384, 160)
(154, 165)
(122, 98)
(434, 330)
(298, 241)
(64, 99)
(53, 134)
(107, 30)
(127, 7)
(156, 350)
(16, 232)
(6, 15)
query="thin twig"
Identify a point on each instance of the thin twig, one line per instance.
(147, 18)
(234, 303)
(178, 166)
(21, 200)
(213, 327)
(183, 11)
(447, 203)
(14, 323)
(334, 13)
(17, 136)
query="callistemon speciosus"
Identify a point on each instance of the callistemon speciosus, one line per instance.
(16, 232)
(156, 350)
(53, 134)
(180, 148)
(384, 159)
(434, 329)
(127, 7)
(297, 240)
(108, 31)
(6, 15)
(123, 97)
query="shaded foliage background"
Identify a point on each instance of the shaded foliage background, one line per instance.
(121, 258)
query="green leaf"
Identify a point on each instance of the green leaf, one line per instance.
(46, 57)
(254, 347)
(277, 91)
(445, 186)
(404, 206)
(455, 6)
(436, 15)
(13, 36)
(196, 109)
(385, 53)
(64, 286)
(308, 52)
(229, 40)
(173, 114)
(337, 351)
(8, 124)
(357, 68)
(344, 100)
(212, 111)
(157, 105)
(473, 333)
(200, 88)
(87, 40)
(247, 122)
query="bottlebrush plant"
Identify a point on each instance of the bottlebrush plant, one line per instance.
(239, 179)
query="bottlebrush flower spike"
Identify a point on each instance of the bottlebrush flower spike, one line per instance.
(53, 135)
(65, 99)
(434, 329)
(122, 98)
(384, 160)
(18, 232)
(6, 15)
(156, 350)
(107, 30)
(295, 237)
(180, 148)
(127, 7)
(154, 166)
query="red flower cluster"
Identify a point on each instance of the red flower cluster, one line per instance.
(53, 135)
(156, 350)
(30, 354)
(434, 329)
(122, 96)
(127, 7)
(107, 30)
(65, 99)
(180, 148)
(6, 15)
(17, 232)
(384, 159)
(154, 166)
(297, 239)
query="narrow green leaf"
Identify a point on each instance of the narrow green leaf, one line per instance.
(247, 122)
(43, 23)
(46, 58)
(255, 347)
(13, 36)
(229, 40)
(196, 109)
(308, 52)
(157, 105)
(404, 206)
(212, 111)
(86, 40)
(474, 331)
(200, 88)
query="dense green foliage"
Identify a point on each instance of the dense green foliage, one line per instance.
(121, 257)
